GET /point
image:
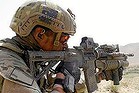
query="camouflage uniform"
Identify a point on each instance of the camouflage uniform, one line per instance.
(13, 66)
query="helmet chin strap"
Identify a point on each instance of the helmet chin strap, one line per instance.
(56, 42)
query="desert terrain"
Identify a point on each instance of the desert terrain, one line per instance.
(129, 83)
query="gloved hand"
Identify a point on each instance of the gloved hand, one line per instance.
(72, 75)
(71, 67)
(110, 75)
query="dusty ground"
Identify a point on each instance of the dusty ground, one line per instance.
(129, 83)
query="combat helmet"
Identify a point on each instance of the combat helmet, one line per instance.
(46, 14)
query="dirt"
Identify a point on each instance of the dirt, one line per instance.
(128, 84)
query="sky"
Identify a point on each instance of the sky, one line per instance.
(106, 21)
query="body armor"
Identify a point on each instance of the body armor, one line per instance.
(14, 68)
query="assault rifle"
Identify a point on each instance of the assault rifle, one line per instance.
(98, 62)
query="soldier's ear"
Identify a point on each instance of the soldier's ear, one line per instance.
(38, 33)
(41, 33)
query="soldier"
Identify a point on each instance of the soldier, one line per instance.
(39, 26)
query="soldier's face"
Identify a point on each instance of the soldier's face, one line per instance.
(46, 39)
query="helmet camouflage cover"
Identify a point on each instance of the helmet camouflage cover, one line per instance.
(44, 14)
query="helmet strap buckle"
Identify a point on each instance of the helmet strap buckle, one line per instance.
(56, 42)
